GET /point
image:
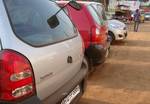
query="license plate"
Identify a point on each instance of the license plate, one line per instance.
(71, 96)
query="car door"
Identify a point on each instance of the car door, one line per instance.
(55, 53)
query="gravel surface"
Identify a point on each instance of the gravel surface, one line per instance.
(125, 77)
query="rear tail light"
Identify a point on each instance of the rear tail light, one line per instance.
(16, 76)
(97, 31)
(96, 35)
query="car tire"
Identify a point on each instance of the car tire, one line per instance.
(111, 34)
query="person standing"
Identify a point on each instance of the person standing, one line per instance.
(136, 20)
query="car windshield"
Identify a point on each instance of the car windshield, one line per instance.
(29, 22)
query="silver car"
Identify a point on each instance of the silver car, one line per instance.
(117, 30)
(40, 62)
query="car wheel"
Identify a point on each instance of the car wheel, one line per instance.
(112, 36)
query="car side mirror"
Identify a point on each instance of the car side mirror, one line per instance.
(75, 5)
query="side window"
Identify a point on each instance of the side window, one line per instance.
(102, 12)
(94, 14)
(98, 10)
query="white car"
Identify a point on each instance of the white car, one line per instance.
(117, 30)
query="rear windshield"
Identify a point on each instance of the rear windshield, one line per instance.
(29, 22)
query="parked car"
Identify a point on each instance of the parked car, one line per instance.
(92, 29)
(41, 55)
(117, 30)
(147, 15)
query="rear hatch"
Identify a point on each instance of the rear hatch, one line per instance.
(49, 50)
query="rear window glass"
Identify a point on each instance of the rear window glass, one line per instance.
(94, 14)
(29, 22)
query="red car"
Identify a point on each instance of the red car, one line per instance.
(93, 29)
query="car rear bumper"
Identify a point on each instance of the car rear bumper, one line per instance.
(120, 34)
(96, 53)
(79, 79)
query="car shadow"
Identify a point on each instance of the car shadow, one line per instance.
(119, 42)
(139, 43)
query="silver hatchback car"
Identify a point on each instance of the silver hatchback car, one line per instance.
(39, 63)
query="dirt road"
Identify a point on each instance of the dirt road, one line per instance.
(125, 77)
